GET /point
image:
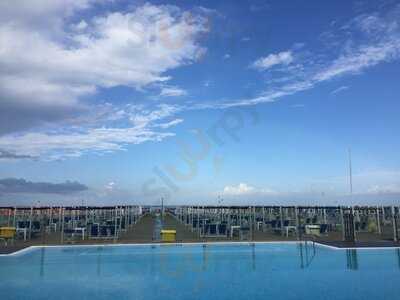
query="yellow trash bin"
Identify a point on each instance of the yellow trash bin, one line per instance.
(168, 235)
(7, 232)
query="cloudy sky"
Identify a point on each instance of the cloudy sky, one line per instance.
(199, 101)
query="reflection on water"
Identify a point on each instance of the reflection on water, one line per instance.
(157, 229)
(209, 259)
(307, 253)
(98, 269)
(162, 262)
(300, 247)
(245, 271)
(157, 262)
(253, 256)
(352, 259)
(204, 265)
(42, 252)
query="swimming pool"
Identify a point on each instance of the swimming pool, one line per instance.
(215, 271)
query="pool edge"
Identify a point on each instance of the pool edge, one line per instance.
(30, 248)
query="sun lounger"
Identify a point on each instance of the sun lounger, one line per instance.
(323, 229)
(94, 230)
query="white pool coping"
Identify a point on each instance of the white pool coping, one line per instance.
(30, 248)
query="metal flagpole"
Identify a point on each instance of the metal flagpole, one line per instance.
(350, 174)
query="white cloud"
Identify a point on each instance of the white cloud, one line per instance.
(245, 189)
(135, 49)
(43, 13)
(259, 7)
(240, 189)
(172, 91)
(359, 59)
(372, 24)
(207, 83)
(339, 89)
(297, 105)
(227, 56)
(364, 182)
(57, 146)
(73, 142)
(384, 189)
(82, 25)
(45, 86)
(281, 58)
(367, 52)
(132, 49)
(142, 118)
(110, 186)
(170, 124)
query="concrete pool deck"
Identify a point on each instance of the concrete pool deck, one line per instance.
(143, 233)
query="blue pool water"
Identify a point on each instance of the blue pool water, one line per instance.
(264, 271)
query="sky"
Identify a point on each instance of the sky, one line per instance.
(217, 102)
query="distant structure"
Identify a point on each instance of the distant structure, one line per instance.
(350, 174)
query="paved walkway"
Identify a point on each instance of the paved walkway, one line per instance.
(183, 233)
(141, 232)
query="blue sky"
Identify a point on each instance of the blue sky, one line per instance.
(194, 101)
